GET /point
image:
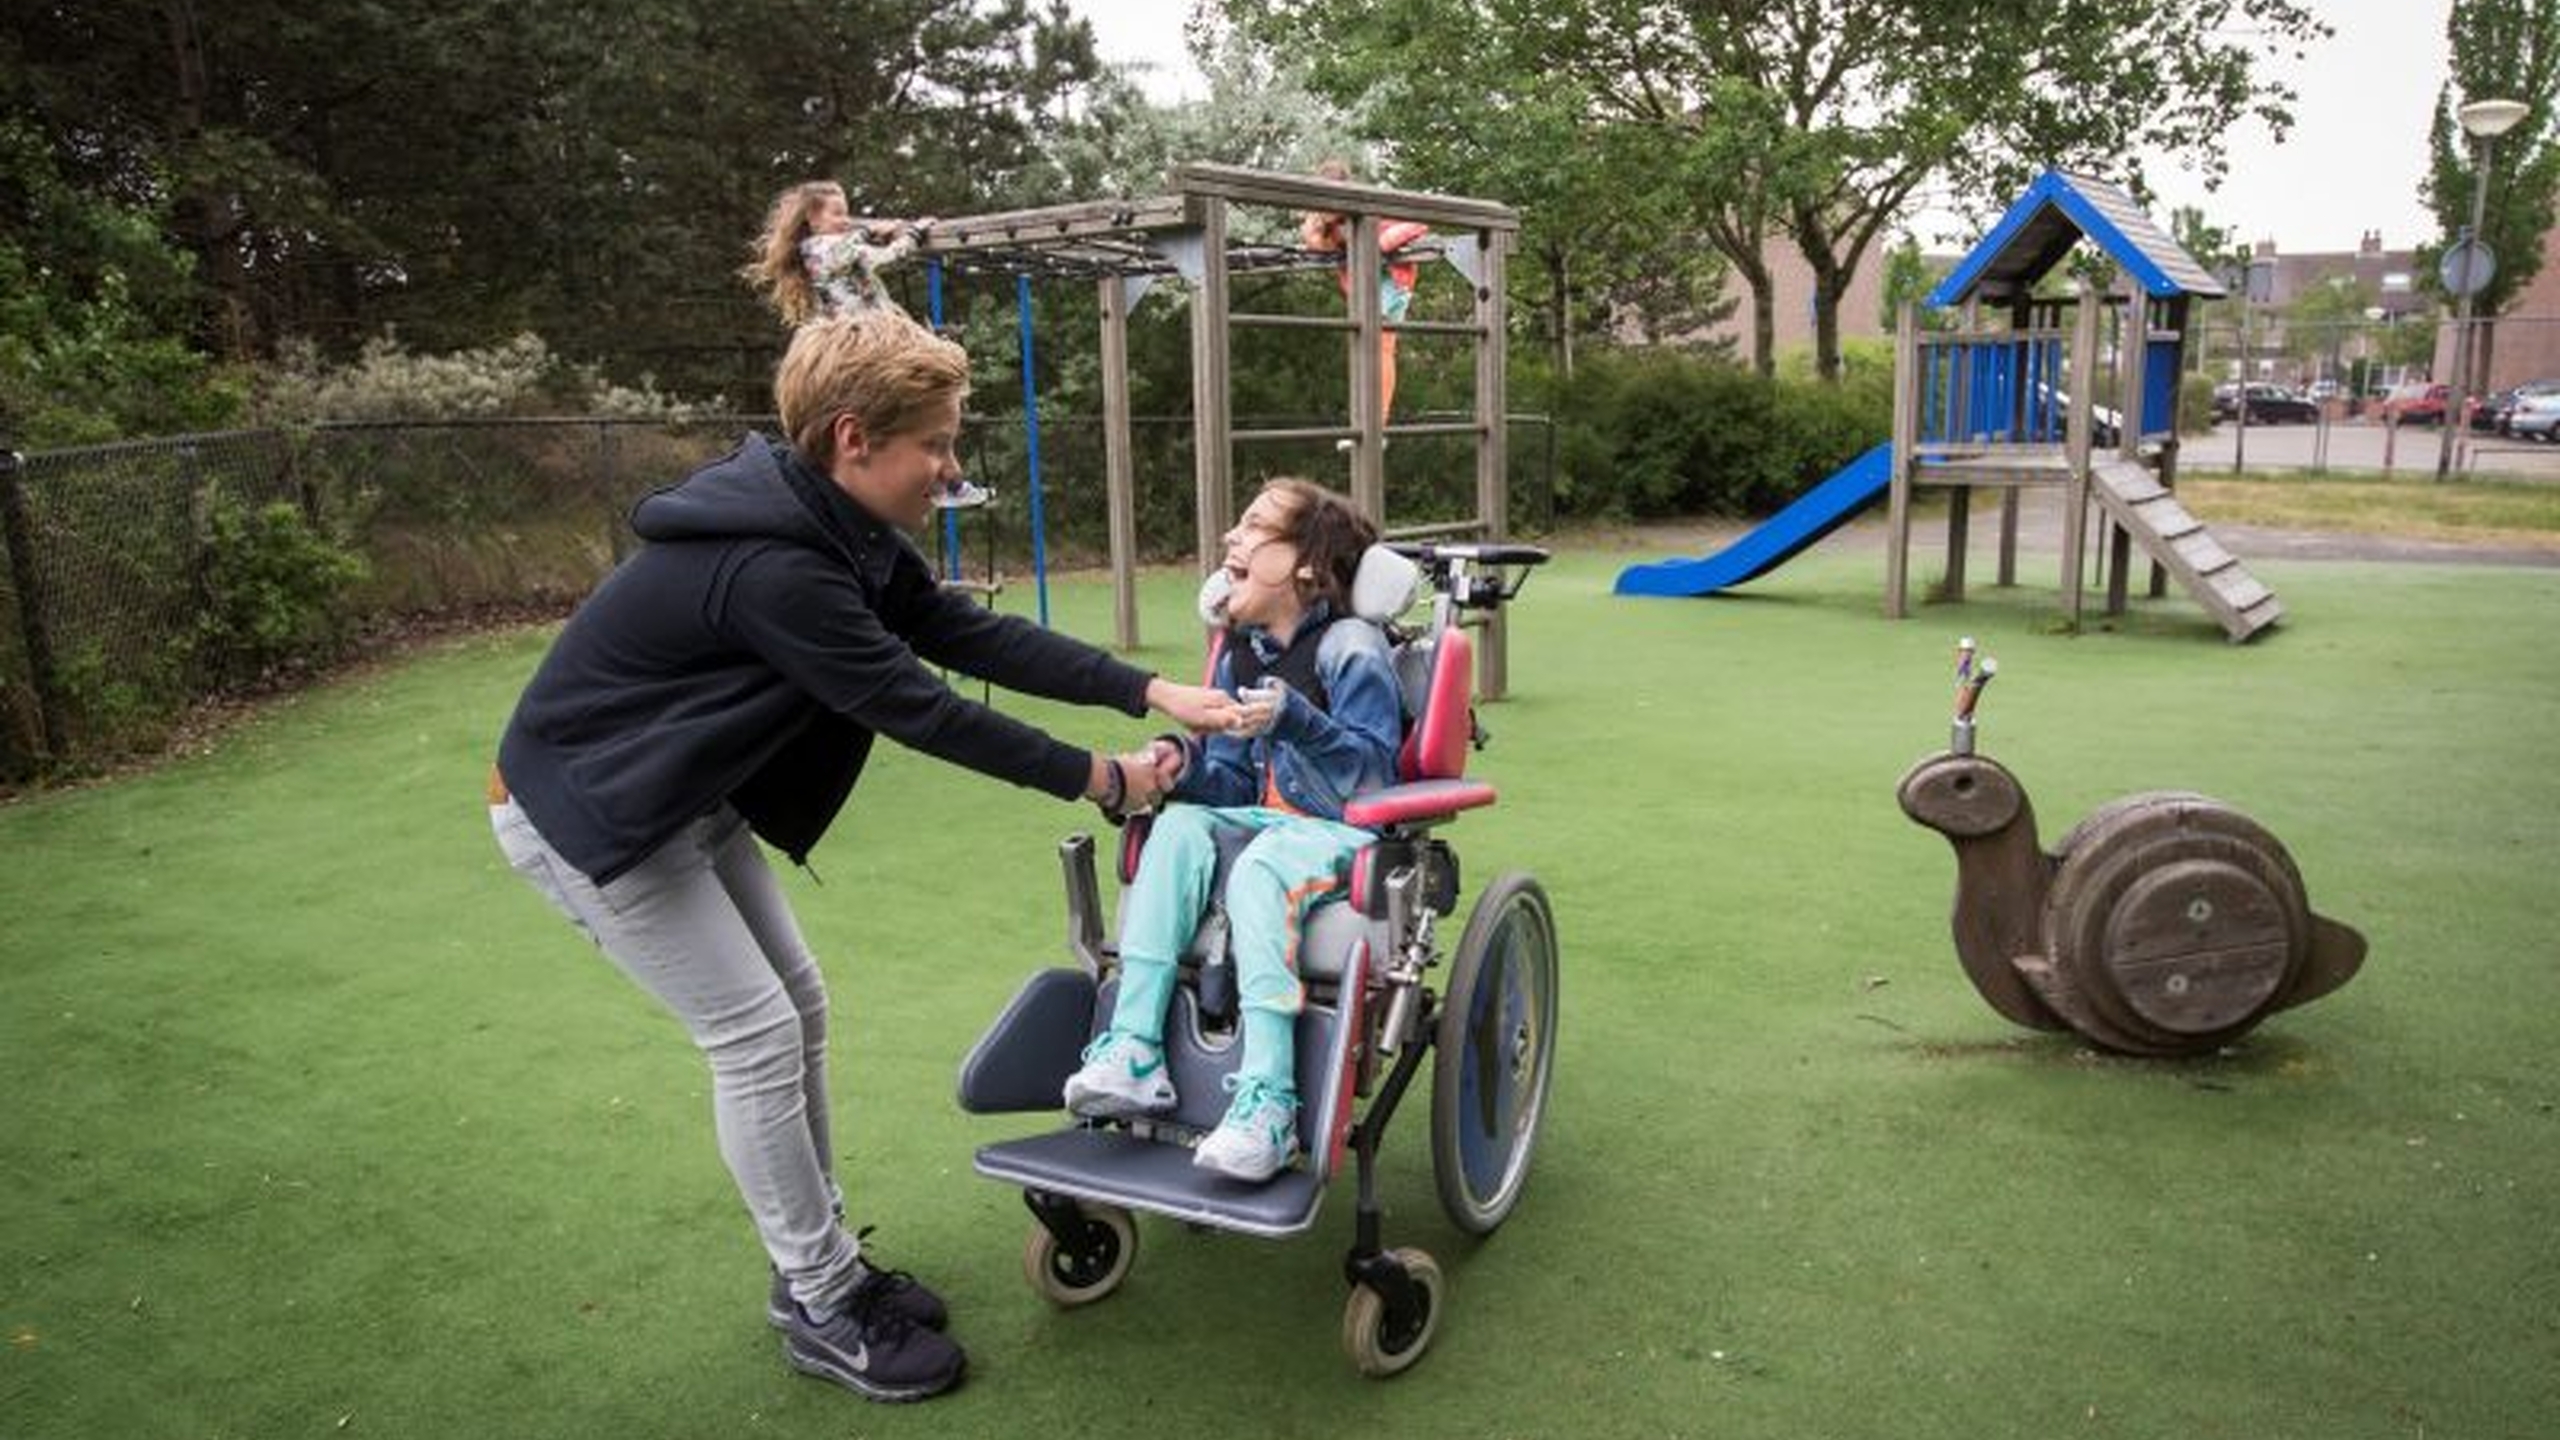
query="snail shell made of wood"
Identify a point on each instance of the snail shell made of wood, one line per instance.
(2166, 923)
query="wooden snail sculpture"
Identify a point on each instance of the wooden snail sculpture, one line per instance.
(2166, 923)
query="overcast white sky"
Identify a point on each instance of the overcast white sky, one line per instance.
(2351, 164)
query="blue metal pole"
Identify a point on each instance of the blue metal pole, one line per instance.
(1031, 446)
(950, 518)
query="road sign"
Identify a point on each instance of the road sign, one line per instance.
(2468, 268)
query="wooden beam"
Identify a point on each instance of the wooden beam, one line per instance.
(1907, 381)
(1012, 229)
(1239, 184)
(1493, 447)
(2081, 438)
(1119, 477)
(1212, 464)
(1368, 443)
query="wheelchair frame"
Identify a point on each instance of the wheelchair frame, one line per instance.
(1365, 1033)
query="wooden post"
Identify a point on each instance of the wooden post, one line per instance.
(1959, 531)
(17, 534)
(1119, 480)
(2133, 363)
(2077, 446)
(1906, 445)
(1212, 461)
(2133, 355)
(1493, 442)
(2174, 317)
(2009, 537)
(1368, 416)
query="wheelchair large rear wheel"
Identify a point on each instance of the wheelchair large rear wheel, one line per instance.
(1496, 1050)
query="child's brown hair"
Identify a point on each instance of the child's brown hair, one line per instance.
(1330, 534)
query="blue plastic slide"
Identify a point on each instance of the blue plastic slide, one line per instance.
(1815, 513)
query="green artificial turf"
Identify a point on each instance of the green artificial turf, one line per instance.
(318, 1123)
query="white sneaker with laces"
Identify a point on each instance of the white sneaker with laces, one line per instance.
(1258, 1138)
(963, 495)
(1123, 1077)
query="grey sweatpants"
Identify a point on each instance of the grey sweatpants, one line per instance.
(702, 925)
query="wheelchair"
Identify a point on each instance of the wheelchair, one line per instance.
(1378, 1008)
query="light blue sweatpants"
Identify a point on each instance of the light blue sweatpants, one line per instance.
(702, 925)
(1293, 864)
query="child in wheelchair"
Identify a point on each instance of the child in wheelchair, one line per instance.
(1321, 721)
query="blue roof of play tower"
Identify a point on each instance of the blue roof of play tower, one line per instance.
(2055, 214)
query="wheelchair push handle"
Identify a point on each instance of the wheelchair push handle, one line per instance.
(1475, 575)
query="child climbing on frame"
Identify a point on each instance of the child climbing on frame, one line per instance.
(1319, 724)
(814, 259)
(1330, 231)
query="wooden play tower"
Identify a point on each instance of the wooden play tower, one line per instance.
(1126, 246)
(2009, 399)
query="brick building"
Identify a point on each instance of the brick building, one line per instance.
(2526, 342)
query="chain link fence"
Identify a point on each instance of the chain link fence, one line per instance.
(114, 571)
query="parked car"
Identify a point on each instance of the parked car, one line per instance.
(2416, 403)
(2496, 410)
(2536, 417)
(2268, 405)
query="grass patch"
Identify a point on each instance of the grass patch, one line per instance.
(2476, 512)
(319, 1123)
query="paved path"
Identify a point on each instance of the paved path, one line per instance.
(2039, 536)
(2362, 445)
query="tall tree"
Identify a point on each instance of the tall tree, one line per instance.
(1822, 120)
(93, 314)
(462, 169)
(2498, 50)
(1462, 98)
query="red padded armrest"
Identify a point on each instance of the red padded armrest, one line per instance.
(1417, 800)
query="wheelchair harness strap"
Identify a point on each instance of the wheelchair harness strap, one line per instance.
(1296, 664)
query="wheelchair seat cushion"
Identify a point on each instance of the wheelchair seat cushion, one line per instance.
(1324, 949)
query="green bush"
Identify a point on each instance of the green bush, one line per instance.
(1649, 433)
(272, 588)
(2195, 404)
(386, 381)
(94, 312)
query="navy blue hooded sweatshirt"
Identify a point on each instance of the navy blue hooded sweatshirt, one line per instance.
(751, 650)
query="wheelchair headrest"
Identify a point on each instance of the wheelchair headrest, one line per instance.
(1212, 602)
(1382, 588)
(1385, 585)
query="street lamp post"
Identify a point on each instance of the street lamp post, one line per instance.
(2469, 264)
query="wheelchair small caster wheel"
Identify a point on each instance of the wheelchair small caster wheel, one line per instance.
(1384, 1338)
(1068, 1275)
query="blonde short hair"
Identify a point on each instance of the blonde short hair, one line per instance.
(886, 371)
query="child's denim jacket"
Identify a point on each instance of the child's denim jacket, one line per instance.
(1313, 759)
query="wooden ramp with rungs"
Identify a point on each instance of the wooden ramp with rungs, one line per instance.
(2135, 499)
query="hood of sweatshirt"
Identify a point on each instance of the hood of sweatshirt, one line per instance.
(764, 490)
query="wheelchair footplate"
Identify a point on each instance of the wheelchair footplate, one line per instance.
(1109, 1165)
(1146, 1164)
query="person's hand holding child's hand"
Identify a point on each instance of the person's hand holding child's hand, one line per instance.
(1257, 710)
(1196, 708)
(1143, 781)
